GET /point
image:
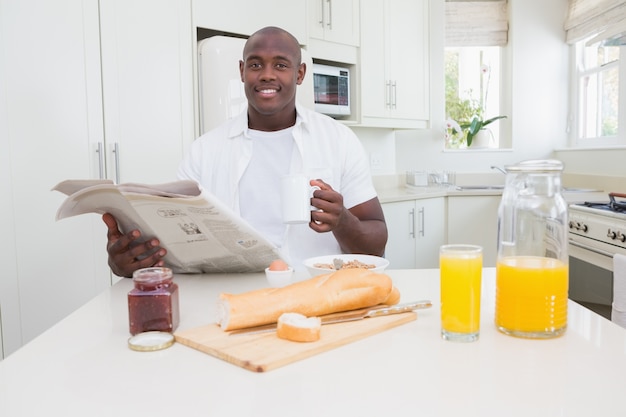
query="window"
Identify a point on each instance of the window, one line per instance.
(476, 32)
(597, 94)
(472, 90)
(596, 29)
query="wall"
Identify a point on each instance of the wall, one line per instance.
(539, 86)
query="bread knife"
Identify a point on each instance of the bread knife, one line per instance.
(344, 316)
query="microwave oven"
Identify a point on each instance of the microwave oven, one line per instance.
(331, 90)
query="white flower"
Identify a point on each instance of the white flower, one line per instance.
(452, 124)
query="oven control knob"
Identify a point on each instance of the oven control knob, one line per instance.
(578, 226)
(611, 234)
(621, 237)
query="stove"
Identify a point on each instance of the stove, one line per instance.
(601, 225)
(597, 231)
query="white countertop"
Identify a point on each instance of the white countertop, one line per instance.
(403, 193)
(82, 366)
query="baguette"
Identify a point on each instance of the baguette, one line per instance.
(346, 289)
(393, 298)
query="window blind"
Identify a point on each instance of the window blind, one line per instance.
(476, 23)
(603, 19)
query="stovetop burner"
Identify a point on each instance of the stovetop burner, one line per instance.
(618, 206)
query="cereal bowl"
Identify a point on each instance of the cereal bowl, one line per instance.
(325, 264)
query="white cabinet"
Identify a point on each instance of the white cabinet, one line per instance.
(246, 17)
(474, 220)
(416, 231)
(147, 87)
(63, 95)
(44, 77)
(334, 21)
(395, 63)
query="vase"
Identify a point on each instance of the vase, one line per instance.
(483, 139)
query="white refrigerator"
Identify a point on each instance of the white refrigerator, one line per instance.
(221, 91)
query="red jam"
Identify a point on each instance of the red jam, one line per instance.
(153, 303)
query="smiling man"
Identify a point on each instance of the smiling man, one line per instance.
(242, 161)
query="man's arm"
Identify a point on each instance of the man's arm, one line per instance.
(361, 229)
(126, 254)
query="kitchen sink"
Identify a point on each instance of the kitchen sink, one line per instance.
(501, 187)
(479, 187)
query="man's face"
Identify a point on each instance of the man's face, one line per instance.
(270, 73)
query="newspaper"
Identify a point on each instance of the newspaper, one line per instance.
(200, 233)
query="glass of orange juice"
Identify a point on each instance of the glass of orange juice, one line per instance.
(460, 269)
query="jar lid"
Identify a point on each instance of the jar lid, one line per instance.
(536, 165)
(151, 341)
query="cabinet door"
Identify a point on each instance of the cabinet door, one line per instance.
(245, 17)
(400, 217)
(395, 63)
(407, 47)
(48, 50)
(430, 233)
(374, 83)
(147, 87)
(474, 220)
(54, 122)
(334, 21)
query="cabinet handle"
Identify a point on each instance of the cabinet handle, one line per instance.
(393, 95)
(423, 225)
(412, 223)
(330, 15)
(388, 94)
(116, 151)
(321, 21)
(100, 161)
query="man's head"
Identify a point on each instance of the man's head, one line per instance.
(270, 70)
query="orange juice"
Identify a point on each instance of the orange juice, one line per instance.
(531, 296)
(460, 274)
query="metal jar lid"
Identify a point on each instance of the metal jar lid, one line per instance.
(151, 341)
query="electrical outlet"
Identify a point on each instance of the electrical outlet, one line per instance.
(375, 160)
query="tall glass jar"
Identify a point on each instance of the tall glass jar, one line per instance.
(532, 264)
(153, 303)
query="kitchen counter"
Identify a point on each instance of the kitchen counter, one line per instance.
(390, 194)
(83, 367)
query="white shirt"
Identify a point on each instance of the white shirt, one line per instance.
(324, 149)
(261, 182)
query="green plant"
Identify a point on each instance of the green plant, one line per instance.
(473, 127)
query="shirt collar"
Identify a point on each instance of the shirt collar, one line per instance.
(240, 123)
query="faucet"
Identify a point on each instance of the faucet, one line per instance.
(499, 169)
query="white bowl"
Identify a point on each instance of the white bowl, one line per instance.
(279, 279)
(379, 263)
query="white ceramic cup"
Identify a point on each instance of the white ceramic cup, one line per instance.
(295, 196)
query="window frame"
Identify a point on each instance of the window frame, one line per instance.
(575, 138)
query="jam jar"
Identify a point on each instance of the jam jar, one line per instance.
(153, 302)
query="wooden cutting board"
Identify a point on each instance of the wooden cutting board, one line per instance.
(263, 352)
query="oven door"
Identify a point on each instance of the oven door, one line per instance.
(591, 275)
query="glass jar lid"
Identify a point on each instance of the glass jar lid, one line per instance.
(152, 275)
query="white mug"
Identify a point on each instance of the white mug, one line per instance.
(295, 196)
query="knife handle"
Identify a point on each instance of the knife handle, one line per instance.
(400, 308)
